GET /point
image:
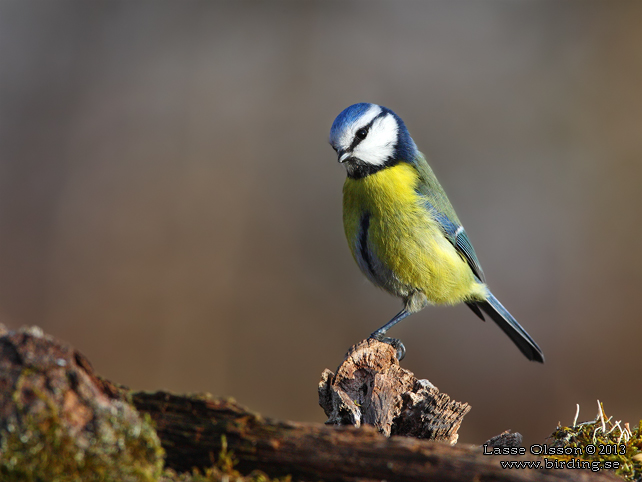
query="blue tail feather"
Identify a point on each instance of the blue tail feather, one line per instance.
(500, 315)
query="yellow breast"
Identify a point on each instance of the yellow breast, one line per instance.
(405, 241)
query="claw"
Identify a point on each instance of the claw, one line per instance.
(393, 342)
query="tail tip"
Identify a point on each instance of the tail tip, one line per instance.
(536, 356)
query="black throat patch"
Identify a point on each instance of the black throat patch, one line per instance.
(357, 169)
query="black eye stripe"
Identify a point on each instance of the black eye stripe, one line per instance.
(357, 139)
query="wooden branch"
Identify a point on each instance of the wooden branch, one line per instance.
(58, 419)
(371, 388)
(191, 427)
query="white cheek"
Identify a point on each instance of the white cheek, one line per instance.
(380, 143)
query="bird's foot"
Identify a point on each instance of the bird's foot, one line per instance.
(393, 342)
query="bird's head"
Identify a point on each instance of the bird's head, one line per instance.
(369, 137)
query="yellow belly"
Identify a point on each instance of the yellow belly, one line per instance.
(405, 241)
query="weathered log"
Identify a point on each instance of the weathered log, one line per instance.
(371, 388)
(59, 421)
(190, 429)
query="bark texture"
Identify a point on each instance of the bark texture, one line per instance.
(58, 419)
(371, 388)
(191, 428)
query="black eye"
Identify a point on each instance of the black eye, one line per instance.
(362, 133)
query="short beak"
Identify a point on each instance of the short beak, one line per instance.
(343, 156)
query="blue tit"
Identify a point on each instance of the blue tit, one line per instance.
(401, 228)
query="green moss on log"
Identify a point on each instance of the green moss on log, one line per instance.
(601, 440)
(38, 445)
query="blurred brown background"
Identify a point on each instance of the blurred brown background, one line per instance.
(169, 203)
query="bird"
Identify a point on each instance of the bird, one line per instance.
(401, 228)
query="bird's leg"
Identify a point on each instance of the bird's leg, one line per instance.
(394, 342)
(384, 329)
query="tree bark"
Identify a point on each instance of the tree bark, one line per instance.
(371, 388)
(57, 417)
(190, 429)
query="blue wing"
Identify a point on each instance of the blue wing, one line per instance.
(456, 234)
